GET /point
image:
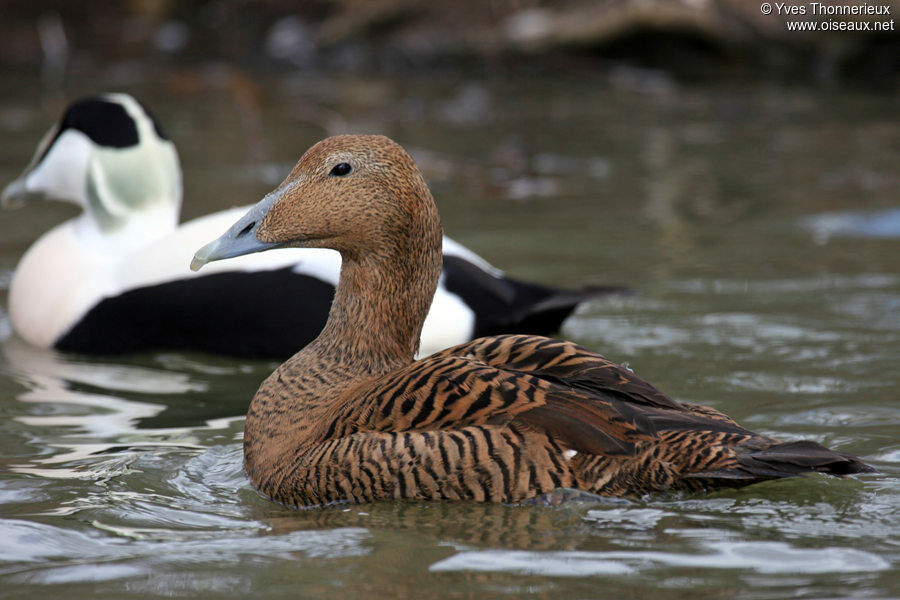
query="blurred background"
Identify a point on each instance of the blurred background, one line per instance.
(687, 38)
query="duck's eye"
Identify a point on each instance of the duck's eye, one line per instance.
(341, 169)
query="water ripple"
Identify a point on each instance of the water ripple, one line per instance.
(29, 541)
(760, 557)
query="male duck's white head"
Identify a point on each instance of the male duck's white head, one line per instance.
(109, 156)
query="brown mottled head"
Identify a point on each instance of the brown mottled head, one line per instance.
(353, 193)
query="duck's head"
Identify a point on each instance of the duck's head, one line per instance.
(359, 194)
(109, 156)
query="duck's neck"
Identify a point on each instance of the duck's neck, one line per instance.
(129, 231)
(382, 300)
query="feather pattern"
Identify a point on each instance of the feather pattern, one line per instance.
(352, 417)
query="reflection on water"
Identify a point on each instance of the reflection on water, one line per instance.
(26, 541)
(876, 224)
(123, 477)
(97, 432)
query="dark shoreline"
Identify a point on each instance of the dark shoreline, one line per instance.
(688, 41)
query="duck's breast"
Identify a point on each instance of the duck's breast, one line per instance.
(56, 282)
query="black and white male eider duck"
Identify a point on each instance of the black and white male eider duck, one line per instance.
(115, 278)
(354, 417)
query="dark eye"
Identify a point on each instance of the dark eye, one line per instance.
(341, 169)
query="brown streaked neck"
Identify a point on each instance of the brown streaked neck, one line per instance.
(382, 300)
(384, 294)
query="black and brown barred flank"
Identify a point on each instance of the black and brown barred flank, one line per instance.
(352, 417)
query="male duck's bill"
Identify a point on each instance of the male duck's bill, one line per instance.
(240, 239)
(15, 194)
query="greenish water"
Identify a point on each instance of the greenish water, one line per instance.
(760, 225)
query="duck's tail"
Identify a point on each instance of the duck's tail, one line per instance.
(541, 310)
(506, 305)
(757, 462)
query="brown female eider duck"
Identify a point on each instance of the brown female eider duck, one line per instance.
(114, 279)
(353, 417)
